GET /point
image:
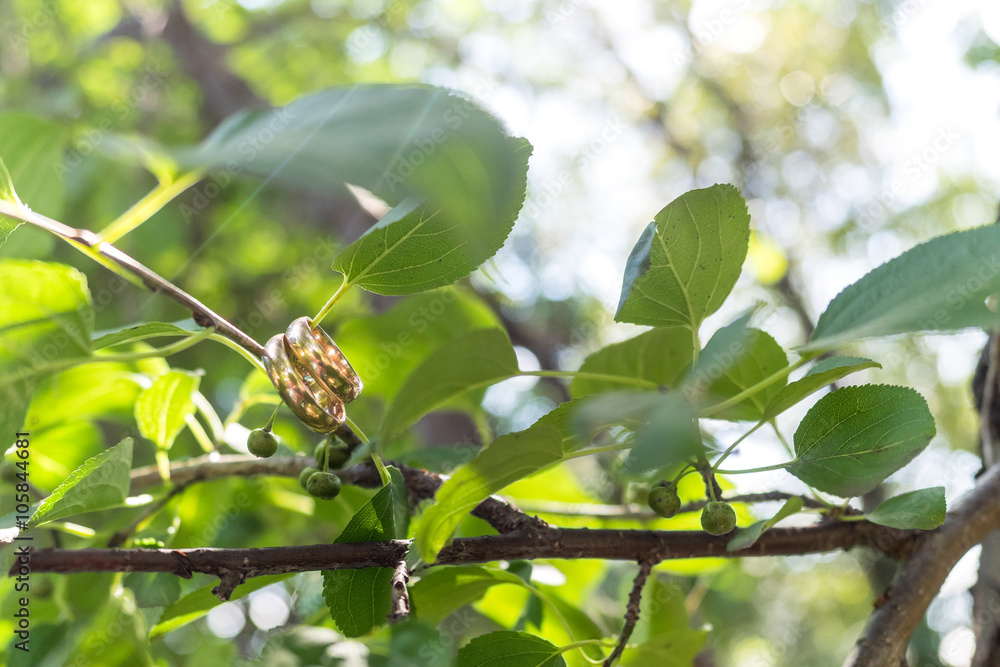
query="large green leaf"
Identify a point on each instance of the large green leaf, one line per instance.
(509, 649)
(455, 176)
(387, 347)
(161, 408)
(757, 358)
(688, 259)
(444, 590)
(478, 359)
(101, 482)
(855, 437)
(924, 509)
(825, 372)
(506, 460)
(32, 149)
(360, 599)
(45, 318)
(661, 355)
(940, 285)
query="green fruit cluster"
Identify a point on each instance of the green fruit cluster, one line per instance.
(320, 484)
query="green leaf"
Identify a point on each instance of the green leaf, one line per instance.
(414, 644)
(506, 460)
(940, 285)
(747, 536)
(101, 482)
(687, 261)
(924, 509)
(360, 599)
(162, 408)
(33, 149)
(196, 604)
(855, 437)
(475, 360)
(153, 589)
(445, 590)
(725, 348)
(758, 357)
(144, 331)
(509, 649)
(659, 355)
(465, 174)
(419, 246)
(825, 372)
(46, 316)
(670, 438)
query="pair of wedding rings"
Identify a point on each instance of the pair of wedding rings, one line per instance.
(312, 375)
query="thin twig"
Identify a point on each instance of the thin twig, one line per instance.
(400, 595)
(631, 612)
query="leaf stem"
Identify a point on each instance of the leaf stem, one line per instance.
(328, 306)
(776, 466)
(750, 391)
(732, 447)
(146, 207)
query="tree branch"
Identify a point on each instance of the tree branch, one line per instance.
(525, 544)
(400, 595)
(631, 612)
(892, 624)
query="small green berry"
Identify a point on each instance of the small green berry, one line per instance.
(718, 518)
(663, 499)
(306, 474)
(337, 451)
(323, 485)
(261, 443)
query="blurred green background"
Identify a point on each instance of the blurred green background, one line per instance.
(854, 130)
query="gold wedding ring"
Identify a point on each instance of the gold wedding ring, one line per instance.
(312, 375)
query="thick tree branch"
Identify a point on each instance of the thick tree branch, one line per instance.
(525, 544)
(892, 624)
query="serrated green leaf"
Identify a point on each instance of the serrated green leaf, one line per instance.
(924, 509)
(360, 599)
(855, 437)
(661, 355)
(506, 460)
(509, 649)
(758, 357)
(418, 246)
(475, 360)
(940, 285)
(466, 175)
(144, 331)
(822, 374)
(161, 409)
(445, 590)
(726, 347)
(101, 482)
(196, 604)
(687, 261)
(747, 536)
